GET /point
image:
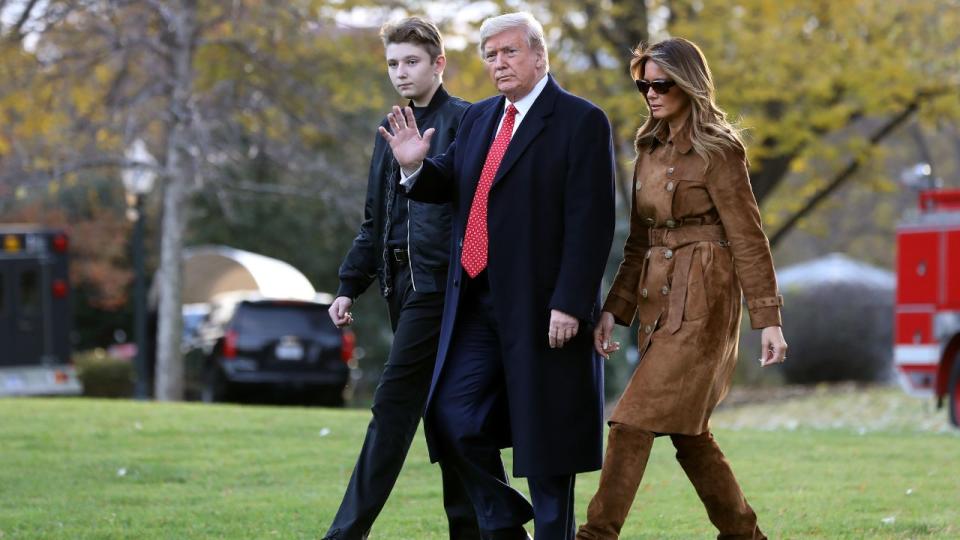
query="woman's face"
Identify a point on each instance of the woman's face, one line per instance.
(670, 106)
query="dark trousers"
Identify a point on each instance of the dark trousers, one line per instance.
(467, 412)
(397, 407)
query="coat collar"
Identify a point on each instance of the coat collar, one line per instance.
(439, 98)
(680, 140)
(530, 127)
(526, 132)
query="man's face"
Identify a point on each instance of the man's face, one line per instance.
(411, 71)
(512, 65)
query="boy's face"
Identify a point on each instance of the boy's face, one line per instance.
(411, 71)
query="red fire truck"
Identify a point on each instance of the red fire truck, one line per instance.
(927, 319)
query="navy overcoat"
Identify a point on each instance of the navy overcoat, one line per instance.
(550, 225)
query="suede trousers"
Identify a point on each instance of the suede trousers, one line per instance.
(628, 449)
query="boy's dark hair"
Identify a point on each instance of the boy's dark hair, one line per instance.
(415, 30)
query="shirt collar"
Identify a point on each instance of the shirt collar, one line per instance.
(524, 104)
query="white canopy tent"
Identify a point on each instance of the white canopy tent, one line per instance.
(212, 271)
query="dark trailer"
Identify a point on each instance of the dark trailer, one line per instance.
(35, 312)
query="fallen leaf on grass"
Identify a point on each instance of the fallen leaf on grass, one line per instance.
(889, 520)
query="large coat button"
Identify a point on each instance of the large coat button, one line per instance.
(643, 292)
(670, 170)
(671, 224)
(665, 290)
(650, 221)
(648, 329)
(668, 254)
(669, 186)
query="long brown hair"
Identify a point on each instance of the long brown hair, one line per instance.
(710, 132)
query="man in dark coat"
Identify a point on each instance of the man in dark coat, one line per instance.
(406, 245)
(530, 178)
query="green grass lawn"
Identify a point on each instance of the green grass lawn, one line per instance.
(78, 468)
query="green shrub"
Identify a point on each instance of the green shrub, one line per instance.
(103, 375)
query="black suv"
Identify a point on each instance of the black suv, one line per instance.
(263, 348)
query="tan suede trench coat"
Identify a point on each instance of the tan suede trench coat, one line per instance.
(695, 242)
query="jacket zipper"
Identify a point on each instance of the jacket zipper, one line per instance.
(413, 282)
(385, 252)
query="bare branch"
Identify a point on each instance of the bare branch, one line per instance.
(24, 17)
(843, 175)
(43, 177)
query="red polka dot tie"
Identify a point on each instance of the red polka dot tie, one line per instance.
(474, 255)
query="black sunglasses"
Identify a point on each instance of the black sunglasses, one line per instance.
(660, 86)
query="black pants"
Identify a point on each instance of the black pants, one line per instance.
(468, 411)
(397, 407)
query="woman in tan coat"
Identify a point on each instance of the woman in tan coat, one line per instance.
(695, 243)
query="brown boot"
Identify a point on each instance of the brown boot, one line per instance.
(710, 473)
(627, 452)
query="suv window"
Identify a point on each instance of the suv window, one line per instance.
(280, 319)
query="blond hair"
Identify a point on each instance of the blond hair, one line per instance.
(711, 134)
(508, 21)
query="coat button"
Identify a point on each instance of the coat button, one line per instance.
(668, 254)
(650, 221)
(671, 224)
(647, 256)
(639, 185)
(648, 329)
(643, 292)
(665, 290)
(669, 186)
(670, 170)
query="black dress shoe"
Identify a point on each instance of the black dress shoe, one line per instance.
(336, 535)
(512, 533)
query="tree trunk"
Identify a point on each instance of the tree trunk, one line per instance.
(169, 375)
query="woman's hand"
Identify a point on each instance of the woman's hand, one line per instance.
(773, 348)
(602, 335)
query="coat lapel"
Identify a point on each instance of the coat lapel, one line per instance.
(477, 152)
(530, 127)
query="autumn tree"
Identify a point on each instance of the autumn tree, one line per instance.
(211, 88)
(811, 81)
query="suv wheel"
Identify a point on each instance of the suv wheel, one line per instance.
(215, 387)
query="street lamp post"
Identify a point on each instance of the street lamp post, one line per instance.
(138, 178)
